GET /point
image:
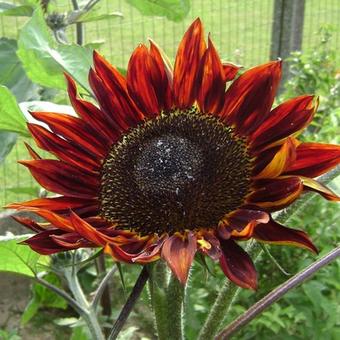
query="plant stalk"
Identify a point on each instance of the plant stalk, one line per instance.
(277, 293)
(175, 302)
(158, 284)
(131, 301)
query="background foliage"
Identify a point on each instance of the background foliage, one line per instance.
(32, 59)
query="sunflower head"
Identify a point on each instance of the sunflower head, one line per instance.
(174, 161)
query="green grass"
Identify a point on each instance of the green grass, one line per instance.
(240, 29)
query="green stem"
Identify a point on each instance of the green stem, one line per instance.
(224, 300)
(175, 299)
(157, 285)
(89, 314)
(229, 291)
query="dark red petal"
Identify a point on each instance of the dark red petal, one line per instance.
(63, 178)
(230, 71)
(276, 233)
(44, 244)
(91, 114)
(87, 231)
(28, 223)
(75, 130)
(286, 119)
(275, 194)
(32, 152)
(63, 149)
(55, 204)
(164, 77)
(249, 98)
(189, 54)
(273, 162)
(314, 159)
(150, 253)
(114, 84)
(140, 81)
(210, 95)
(179, 251)
(237, 265)
(239, 219)
(313, 185)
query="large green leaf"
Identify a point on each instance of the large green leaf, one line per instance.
(7, 141)
(11, 117)
(96, 16)
(12, 74)
(45, 61)
(10, 9)
(174, 10)
(18, 258)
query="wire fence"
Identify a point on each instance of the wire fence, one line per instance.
(241, 31)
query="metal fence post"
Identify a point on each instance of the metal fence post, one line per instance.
(287, 29)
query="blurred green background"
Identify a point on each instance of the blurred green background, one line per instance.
(242, 33)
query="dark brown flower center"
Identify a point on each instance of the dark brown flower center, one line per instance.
(182, 170)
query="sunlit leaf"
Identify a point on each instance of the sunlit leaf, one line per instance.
(174, 10)
(10, 9)
(11, 117)
(19, 259)
(45, 61)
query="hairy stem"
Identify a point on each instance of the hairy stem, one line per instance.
(277, 293)
(131, 301)
(158, 285)
(175, 300)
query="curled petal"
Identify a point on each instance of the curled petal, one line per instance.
(277, 193)
(285, 120)
(179, 251)
(230, 71)
(44, 244)
(276, 233)
(314, 159)
(313, 185)
(189, 54)
(241, 218)
(150, 253)
(211, 74)
(28, 223)
(249, 98)
(210, 245)
(237, 265)
(283, 157)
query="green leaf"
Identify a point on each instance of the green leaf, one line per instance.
(18, 258)
(14, 10)
(7, 141)
(43, 298)
(12, 73)
(175, 10)
(11, 117)
(45, 61)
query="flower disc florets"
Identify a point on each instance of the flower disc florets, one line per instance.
(182, 170)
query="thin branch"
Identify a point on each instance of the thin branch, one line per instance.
(79, 25)
(72, 302)
(101, 288)
(277, 293)
(132, 299)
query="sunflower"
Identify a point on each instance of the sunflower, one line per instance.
(175, 161)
